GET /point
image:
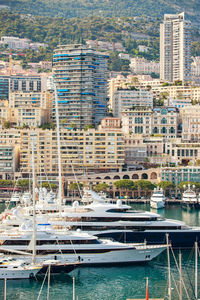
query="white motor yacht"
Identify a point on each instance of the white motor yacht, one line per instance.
(189, 198)
(157, 200)
(69, 247)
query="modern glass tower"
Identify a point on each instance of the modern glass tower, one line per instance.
(80, 75)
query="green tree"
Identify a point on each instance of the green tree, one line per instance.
(124, 184)
(89, 126)
(101, 187)
(49, 185)
(144, 185)
(4, 182)
(24, 183)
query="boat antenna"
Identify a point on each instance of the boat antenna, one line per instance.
(59, 151)
(34, 216)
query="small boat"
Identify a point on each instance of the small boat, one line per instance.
(157, 199)
(189, 198)
(11, 268)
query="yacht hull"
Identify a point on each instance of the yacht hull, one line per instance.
(121, 256)
(178, 238)
(18, 274)
(157, 204)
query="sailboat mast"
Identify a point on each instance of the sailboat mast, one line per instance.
(169, 271)
(34, 216)
(196, 270)
(180, 268)
(59, 152)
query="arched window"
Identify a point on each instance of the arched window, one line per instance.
(164, 121)
(163, 130)
(155, 130)
(172, 130)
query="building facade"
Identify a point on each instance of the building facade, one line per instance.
(165, 122)
(190, 123)
(137, 120)
(127, 98)
(175, 52)
(81, 82)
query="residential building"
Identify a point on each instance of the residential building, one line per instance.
(137, 120)
(81, 81)
(9, 161)
(195, 70)
(95, 150)
(31, 108)
(175, 52)
(179, 103)
(129, 98)
(15, 42)
(182, 152)
(105, 46)
(177, 175)
(190, 123)
(165, 122)
(140, 65)
(21, 83)
(110, 123)
(118, 82)
(135, 149)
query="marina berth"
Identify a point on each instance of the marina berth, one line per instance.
(107, 220)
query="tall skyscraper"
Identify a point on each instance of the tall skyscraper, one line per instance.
(175, 53)
(81, 82)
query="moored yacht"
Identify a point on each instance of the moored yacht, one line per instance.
(189, 198)
(69, 247)
(12, 268)
(157, 200)
(117, 221)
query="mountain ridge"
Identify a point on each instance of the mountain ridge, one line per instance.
(105, 8)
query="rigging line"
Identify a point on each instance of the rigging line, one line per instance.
(179, 273)
(186, 270)
(42, 285)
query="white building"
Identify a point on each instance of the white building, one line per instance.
(143, 66)
(175, 54)
(127, 98)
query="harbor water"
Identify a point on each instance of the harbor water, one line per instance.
(117, 283)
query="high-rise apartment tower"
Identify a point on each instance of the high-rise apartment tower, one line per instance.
(175, 54)
(80, 75)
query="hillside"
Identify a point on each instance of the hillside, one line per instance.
(107, 8)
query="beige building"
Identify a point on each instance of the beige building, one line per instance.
(135, 149)
(165, 122)
(137, 121)
(94, 150)
(110, 124)
(190, 123)
(30, 108)
(175, 53)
